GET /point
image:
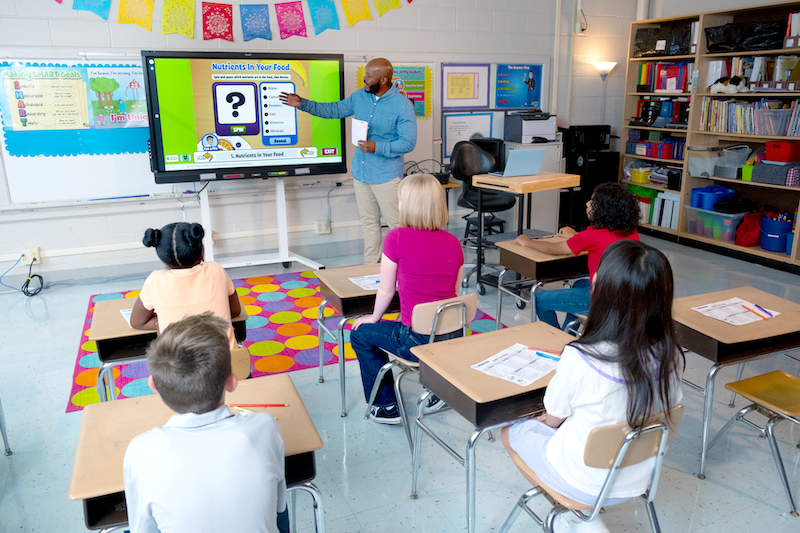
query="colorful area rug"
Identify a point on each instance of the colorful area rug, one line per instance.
(281, 335)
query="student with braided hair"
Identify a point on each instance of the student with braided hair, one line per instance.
(188, 286)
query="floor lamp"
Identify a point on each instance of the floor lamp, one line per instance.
(604, 68)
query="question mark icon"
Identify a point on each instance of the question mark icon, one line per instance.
(239, 101)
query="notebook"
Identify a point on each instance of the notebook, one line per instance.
(522, 162)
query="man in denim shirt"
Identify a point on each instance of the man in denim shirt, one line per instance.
(378, 162)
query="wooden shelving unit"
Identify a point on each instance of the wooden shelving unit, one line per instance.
(779, 196)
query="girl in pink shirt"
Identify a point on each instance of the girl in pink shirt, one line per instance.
(188, 286)
(423, 263)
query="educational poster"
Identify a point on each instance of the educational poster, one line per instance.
(59, 109)
(465, 85)
(462, 126)
(518, 86)
(415, 82)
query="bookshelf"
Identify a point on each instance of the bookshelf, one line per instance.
(699, 134)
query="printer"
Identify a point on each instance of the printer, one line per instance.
(523, 126)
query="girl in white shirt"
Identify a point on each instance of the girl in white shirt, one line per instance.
(625, 368)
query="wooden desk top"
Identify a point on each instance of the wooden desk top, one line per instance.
(445, 369)
(107, 429)
(450, 185)
(541, 266)
(718, 341)
(336, 282)
(543, 181)
(108, 322)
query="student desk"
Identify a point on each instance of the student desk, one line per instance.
(539, 268)
(724, 344)
(519, 185)
(351, 301)
(107, 429)
(119, 344)
(485, 401)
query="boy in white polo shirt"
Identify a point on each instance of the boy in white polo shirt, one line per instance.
(206, 470)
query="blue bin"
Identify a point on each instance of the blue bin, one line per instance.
(773, 234)
(789, 241)
(705, 197)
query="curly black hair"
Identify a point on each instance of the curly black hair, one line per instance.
(614, 208)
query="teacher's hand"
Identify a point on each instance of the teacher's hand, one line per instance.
(290, 99)
(367, 146)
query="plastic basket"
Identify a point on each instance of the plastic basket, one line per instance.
(703, 159)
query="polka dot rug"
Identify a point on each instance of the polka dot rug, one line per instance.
(281, 335)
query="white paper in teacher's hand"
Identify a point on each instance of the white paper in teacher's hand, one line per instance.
(734, 311)
(518, 364)
(126, 314)
(367, 283)
(359, 131)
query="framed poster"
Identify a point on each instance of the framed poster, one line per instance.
(465, 85)
(462, 126)
(518, 86)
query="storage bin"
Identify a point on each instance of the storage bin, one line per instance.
(640, 175)
(747, 173)
(705, 197)
(773, 234)
(774, 174)
(712, 225)
(702, 160)
(789, 241)
(783, 151)
(772, 122)
(735, 156)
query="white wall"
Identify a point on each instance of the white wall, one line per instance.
(103, 239)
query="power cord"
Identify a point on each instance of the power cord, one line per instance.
(25, 286)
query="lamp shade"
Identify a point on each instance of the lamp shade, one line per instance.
(605, 67)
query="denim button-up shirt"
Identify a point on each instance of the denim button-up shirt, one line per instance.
(392, 125)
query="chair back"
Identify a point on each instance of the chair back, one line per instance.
(444, 316)
(604, 443)
(469, 159)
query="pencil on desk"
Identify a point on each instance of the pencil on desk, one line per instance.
(757, 314)
(763, 310)
(259, 405)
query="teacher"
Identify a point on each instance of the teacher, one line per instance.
(378, 162)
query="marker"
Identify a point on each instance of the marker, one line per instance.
(757, 314)
(763, 310)
(259, 405)
(540, 354)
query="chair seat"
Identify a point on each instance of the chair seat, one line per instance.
(533, 479)
(490, 202)
(240, 363)
(778, 391)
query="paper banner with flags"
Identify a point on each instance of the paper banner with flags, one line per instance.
(98, 7)
(323, 15)
(178, 17)
(414, 81)
(356, 10)
(255, 22)
(385, 5)
(290, 19)
(217, 21)
(136, 12)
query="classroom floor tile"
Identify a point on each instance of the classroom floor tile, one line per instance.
(364, 470)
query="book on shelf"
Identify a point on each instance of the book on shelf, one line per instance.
(762, 117)
(664, 77)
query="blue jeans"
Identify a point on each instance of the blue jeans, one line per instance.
(570, 301)
(393, 337)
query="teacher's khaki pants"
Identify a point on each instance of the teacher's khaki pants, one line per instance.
(373, 201)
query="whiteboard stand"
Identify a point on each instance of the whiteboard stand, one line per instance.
(283, 256)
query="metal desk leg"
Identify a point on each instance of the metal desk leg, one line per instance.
(538, 284)
(708, 407)
(321, 337)
(342, 322)
(499, 298)
(470, 460)
(417, 446)
(105, 378)
(316, 495)
(3, 430)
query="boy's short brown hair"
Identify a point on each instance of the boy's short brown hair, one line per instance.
(190, 362)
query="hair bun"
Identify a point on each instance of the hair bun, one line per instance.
(194, 234)
(151, 237)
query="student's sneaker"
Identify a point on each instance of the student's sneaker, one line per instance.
(434, 404)
(385, 415)
(569, 523)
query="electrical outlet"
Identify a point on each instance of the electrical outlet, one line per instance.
(323, 227)
(32, 254)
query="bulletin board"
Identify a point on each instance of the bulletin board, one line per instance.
(465, 85)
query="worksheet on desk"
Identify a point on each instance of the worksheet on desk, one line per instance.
(518, 364)
(367, 283)
(736, 312)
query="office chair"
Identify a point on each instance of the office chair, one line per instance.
(467, 160)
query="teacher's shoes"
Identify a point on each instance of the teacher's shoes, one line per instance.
(569, 523)
(385, 415)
